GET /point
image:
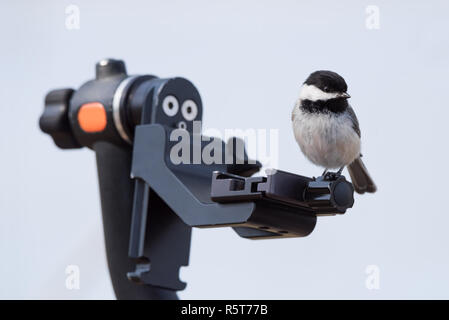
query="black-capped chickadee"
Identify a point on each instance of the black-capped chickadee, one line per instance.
(327, 130)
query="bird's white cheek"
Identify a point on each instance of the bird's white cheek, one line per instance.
(313, 93)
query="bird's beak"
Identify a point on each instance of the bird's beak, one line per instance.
(344, 95)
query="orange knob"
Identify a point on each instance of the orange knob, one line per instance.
(92, 117)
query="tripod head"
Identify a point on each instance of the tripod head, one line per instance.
(150, 202)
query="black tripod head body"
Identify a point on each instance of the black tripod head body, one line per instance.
(137, 125)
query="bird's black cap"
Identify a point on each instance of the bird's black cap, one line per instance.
(328, 81)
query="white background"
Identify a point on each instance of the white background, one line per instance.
(248, 60)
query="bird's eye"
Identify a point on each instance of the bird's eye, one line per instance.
(189, 110)
(170, 105)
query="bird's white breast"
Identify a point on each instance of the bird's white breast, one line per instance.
(326, 139)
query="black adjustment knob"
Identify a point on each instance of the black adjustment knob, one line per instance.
(55, 120)
(329, 196)
(109, 68)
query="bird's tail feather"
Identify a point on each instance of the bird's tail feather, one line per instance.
(360, 177)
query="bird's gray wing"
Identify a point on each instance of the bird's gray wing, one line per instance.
(355, 121)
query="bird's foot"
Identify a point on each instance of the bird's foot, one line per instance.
(327, 175)
(331, 176)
